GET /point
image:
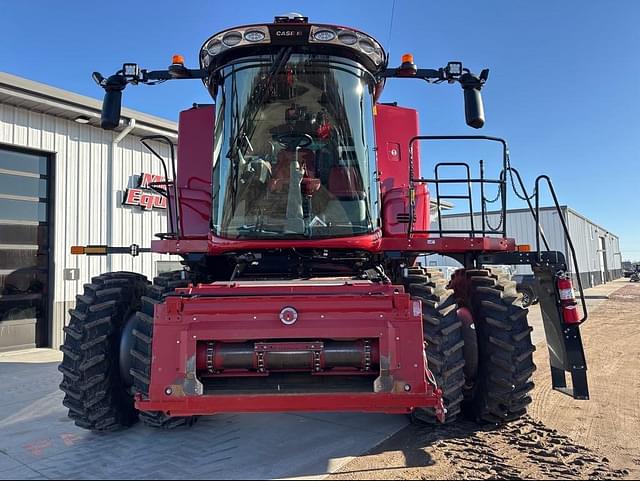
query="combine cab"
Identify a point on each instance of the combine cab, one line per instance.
(299, 209)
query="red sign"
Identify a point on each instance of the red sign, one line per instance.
(143, 196)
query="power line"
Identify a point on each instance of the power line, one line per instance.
(393, 9)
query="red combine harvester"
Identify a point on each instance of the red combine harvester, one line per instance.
(299, 211)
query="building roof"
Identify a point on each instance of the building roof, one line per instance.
(39, 97)
(564, 208)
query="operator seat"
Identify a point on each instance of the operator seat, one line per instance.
(279, 182)
(347, 204)
(345, 183)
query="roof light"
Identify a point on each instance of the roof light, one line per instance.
(214, 47)
(377, 55)
(254, 36)
(366, 46)
(348, 38)
(324, 35)
(177, 60)
(232, 39)
(205, 58)
(221, 42)
(408, 66)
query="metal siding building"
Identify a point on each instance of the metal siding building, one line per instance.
(85, 176)
(597, 249)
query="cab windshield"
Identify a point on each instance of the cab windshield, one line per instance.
(294, 153)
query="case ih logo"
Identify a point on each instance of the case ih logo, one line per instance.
(142, 196)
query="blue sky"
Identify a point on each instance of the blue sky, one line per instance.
(563, 87)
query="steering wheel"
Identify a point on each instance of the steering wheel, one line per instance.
(292, 141)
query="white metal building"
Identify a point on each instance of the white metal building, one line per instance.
(62, 181)
(597, 249)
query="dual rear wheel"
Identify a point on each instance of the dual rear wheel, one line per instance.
(478, 344)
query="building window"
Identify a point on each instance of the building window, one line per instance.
(24, 249)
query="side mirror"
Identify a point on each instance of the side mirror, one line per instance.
(473, 108)
(112, 103)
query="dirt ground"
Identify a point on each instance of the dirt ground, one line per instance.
(561, 439)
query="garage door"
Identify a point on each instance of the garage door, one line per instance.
(24, 249)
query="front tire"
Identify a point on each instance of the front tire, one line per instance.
(95, 395)
(141, 352)
(444, 341)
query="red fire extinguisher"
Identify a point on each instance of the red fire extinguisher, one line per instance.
(568, 303)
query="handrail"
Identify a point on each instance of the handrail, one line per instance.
(469, 190)
(468, 181)
(176, 206)
(567, 235)
(507, 173)
(535, 215)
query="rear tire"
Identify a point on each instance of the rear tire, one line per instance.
(95, 394)
(501, 390)
(444, 342)
(141, 352)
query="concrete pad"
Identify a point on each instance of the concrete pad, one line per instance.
(31, 356)
(39, 441)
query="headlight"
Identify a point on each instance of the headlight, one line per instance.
(214, 47)
(232, 39)
(206, 59)
(377, 56)
(324, 35)
(254, 36)
(366, 46)
(329, 36)
(348, 38)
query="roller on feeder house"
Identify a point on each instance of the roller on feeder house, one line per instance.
(299, 207)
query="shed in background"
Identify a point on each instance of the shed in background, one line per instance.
(597, 249)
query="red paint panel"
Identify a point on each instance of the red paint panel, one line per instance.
(449, 244)
(216, 245)
(247, 311)
(195, 161)
(395, 211)
(395, 127)
(374, 403)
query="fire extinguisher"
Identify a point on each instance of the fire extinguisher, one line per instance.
(568, 303)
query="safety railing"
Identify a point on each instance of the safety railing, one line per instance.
(507, 174)
(173, 208)
(468, 182)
